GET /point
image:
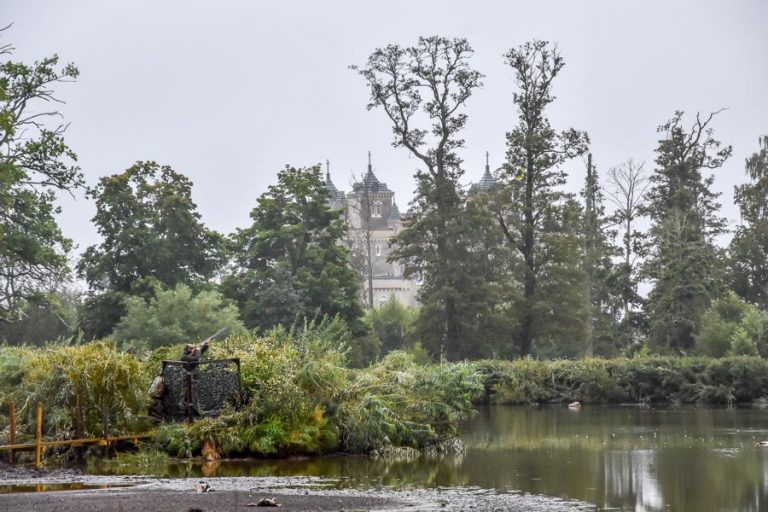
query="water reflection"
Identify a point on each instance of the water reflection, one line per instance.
(49, 487)
(624, 458)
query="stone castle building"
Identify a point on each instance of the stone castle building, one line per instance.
(374, 218)
(377, 225)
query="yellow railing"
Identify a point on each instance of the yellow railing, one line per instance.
(40, 445)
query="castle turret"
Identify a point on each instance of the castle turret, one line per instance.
(487, 182)
(336, 196)
(372, 199)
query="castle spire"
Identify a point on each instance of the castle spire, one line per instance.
(487, 181)
(328, 170)
(370, 169)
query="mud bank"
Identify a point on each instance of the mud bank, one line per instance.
(236, 494)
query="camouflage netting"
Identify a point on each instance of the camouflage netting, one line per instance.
(214, 384)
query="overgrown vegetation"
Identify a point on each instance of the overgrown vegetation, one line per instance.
(95, 375)
(300, 396)
(638, 380)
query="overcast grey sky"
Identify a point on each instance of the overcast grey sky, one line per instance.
(229, 92)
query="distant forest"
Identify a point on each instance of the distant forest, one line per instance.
(519, 269)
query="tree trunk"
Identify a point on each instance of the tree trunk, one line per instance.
(527, 249)
(589, 349)
(370, 266)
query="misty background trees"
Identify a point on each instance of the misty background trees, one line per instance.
(521, 268)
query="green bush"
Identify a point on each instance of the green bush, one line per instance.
(175, 316)
(96, 374)
(401, 403)
(733, 327)
(641, 379)
(302, 399)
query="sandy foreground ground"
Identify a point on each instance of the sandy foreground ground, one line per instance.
(138, 493)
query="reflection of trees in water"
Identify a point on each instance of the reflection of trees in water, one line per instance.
(706, 480)
(352, 471)
(680, 460)
(631, 480)
(635, 459)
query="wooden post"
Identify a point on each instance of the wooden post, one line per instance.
(78, 427)
(78, 418)
(190, 412)
(13, 430)
(105, 421)
(39, 436)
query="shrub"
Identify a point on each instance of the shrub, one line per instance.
(95, 373)
(733, 327)
(642, 379)
(175, 316)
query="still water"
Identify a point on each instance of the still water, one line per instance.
(619, 458)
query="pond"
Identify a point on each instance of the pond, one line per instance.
(619, 458)
(626, 458)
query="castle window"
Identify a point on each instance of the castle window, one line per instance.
(376, 210)
(378, 250)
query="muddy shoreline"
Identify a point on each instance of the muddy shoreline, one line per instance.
(235, 494)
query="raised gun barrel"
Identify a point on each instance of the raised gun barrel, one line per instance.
(193, 353)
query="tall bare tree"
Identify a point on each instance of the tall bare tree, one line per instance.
(627, 188)
(361, 208)
(422, 89)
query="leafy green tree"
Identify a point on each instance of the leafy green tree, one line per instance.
(35, 165)
(290, 263)
(175, 316)
(393, 324)
(152, 235)
(560, 303)
(684, 263)
(422, 89)
(719, 324)
(742, 344)
(733, 326)
(482, 290)
(533, 175)
(749, 247)
(755, 324)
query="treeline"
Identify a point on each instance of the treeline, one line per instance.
(521, 268)
(524, 268)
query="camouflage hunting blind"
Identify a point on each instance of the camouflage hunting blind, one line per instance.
(200, 388)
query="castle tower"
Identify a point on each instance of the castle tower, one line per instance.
(370, 197)
(374, 220)
(487, 182)
(336, 196)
